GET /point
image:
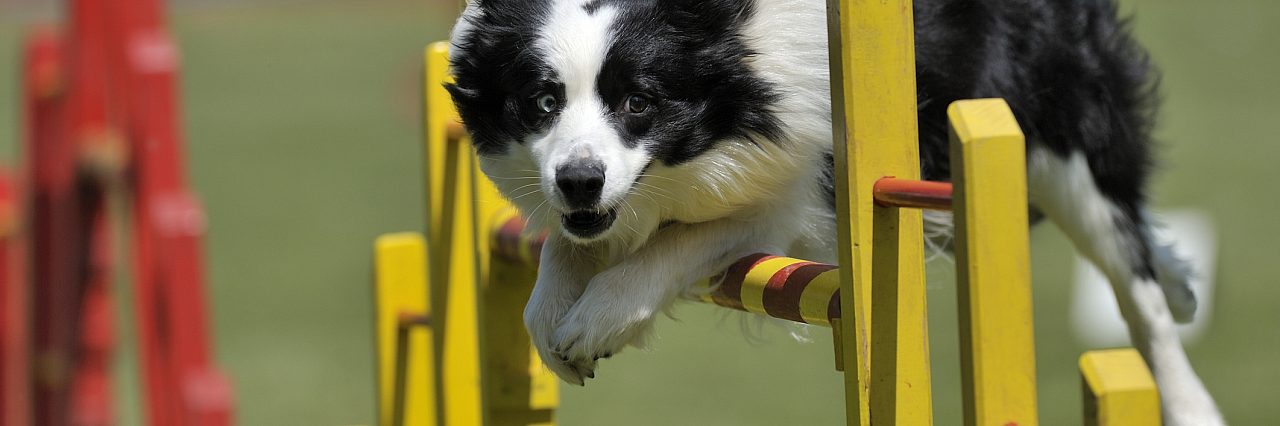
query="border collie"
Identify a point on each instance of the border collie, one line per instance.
(659, 140)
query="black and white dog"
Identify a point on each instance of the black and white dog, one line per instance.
(660, 140)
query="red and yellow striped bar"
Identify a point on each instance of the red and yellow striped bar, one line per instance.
(780, 287)
(510, 242)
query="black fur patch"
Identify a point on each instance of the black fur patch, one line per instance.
(1075, 79)
(592, 6)
(689, 57)
(496, 72)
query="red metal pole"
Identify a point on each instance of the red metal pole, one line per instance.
(15, 339)
(169, 224)
(91, 385)
(58, 247)
(43, 64)
(920, 194)
(90, 104)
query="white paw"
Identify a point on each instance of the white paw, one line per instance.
(1181, 299)
(1174, 274)
(599, 326)
(589, 334)
(540, 320)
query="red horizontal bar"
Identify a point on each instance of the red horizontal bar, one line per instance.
(916, 194)
(406, 320)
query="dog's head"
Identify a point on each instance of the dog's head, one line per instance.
(577, 107)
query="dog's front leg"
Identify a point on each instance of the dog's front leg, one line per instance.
(563, 273)
(619, 304)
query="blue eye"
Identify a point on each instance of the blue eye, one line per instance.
(546, 102)
(637, 103)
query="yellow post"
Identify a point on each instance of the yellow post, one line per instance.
(518, 388)
(997, 346)
(490, 372)
(400, 281)
(451, 231)
(874, 127)
(1118, 389)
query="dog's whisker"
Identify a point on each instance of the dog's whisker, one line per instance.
(633, 214)
(657, 191)
(525, 186)
(512, 177)
(645, 175)
(535, 191)
(651, 199)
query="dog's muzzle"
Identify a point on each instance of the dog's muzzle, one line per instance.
(581, 183)
(588, 223)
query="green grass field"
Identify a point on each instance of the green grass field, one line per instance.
(303, 142)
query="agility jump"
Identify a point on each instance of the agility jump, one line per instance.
(452, 348)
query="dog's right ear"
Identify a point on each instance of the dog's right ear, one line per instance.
(491, 4)
(706, 15)
(461, 96)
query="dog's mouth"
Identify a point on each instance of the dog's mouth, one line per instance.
(586, 224)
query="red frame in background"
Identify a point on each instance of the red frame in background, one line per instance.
(102, 123)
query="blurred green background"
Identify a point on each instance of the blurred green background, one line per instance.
(303, 141)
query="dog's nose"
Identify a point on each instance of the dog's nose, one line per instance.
(580, 183)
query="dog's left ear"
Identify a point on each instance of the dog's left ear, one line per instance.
(706, 15)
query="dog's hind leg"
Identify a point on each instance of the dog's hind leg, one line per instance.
(1172, 272)
(1118, 243)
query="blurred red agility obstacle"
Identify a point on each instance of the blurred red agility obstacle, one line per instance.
(102, 125)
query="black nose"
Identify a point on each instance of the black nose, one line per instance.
(580, 183)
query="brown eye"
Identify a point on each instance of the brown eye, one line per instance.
(546, 102)
(637, 104)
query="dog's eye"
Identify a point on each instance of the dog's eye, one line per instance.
(637, 103)
(546, 102)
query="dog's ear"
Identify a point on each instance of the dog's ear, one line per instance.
(493, 5)
(461, 96)
(706, 15)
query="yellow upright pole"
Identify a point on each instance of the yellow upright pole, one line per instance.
(488, 368)
(874, 127)
(1118, 389)
(997, 345)
(451, 234)
(400, 280)
(518, 388)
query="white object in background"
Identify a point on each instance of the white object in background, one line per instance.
(1095, 316)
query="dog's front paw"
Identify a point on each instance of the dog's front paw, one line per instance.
(540, 320)
(596, 328)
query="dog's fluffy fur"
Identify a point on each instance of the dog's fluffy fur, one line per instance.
(661, 139)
